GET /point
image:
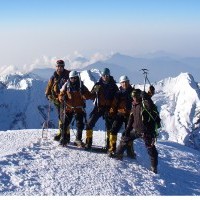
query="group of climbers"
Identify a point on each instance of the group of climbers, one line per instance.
(124, 105)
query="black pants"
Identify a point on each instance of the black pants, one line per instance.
(96, 114)
(67, 119)
(119, 120)
(147, 138)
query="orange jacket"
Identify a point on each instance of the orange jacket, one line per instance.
(74, 96)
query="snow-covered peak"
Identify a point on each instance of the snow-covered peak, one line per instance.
(18, 81)
(178, 99)
(183, 84)
(11, 69)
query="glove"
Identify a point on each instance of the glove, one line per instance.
(96, 88)
(56, 102)
(112, 113)
(49, 97)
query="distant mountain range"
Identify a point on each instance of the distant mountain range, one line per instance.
(160, 66)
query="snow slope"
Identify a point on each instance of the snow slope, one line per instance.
(23, 103)
(178, 99)
(31, 166)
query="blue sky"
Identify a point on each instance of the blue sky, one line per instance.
(30, 29)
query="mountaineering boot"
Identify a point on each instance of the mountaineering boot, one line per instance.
(88, 146)
(88, 143)
(78, 142)
(63, 141)
(121, 148)
(111, 154)
(58, 136)
(65, 138)
(118, 156)
(130, 150)
(112, 145)
(153, 158)
(108, 139)
(154, 170)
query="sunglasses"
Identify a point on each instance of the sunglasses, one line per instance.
(106, 75)
(59, 65)
(73, 78)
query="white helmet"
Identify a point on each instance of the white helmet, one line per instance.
(73, 74)
(123, 78)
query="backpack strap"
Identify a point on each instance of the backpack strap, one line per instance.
(151, 116)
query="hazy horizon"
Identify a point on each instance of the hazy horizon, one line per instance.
(32, 29)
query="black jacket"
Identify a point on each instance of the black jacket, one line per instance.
(140, 120)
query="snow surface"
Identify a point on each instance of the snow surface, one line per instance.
(32, 166)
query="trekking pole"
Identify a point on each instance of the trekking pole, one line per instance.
(45, 125)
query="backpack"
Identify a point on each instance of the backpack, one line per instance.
(154, 117)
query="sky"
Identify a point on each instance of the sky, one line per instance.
(31, 29)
